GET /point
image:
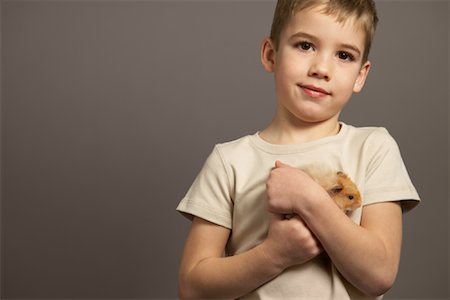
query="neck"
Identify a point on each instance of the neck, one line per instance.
(285, 131)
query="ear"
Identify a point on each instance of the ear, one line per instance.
(337, 188)
(362, 75)
(341, 174)
(268, 55)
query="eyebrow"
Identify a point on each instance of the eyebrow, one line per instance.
(313, 38)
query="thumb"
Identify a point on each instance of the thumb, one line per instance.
(279, 164)
(284, 217)
(281, 217)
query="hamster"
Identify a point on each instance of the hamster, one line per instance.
(339, 186)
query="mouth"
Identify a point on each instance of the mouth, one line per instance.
(314, 91)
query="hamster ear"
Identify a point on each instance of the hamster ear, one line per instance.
(337, 189)
(341, 175)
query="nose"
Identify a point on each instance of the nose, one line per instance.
(320, 68)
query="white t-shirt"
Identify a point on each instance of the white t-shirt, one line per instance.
(230, 191)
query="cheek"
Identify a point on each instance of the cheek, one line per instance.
(290, 66)
(346, 85)
(284, 71)
(282, 82)
(287, 77)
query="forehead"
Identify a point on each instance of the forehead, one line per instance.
(317, 23)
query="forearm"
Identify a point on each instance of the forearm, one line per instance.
(366, 259)
(229, 277)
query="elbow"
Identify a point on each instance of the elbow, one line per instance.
(185, 293)
(185, 290)
(379, 289)
(381, 276)
(381, 284)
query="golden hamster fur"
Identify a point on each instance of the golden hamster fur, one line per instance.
(339, 186)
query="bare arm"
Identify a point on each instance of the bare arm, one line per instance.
(206, 273)
(367, 255)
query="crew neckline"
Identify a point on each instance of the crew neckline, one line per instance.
(262, 144)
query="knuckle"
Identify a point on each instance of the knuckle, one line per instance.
(305, 239)
(316, 251)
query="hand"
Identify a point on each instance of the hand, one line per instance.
(289, 188)
(290, 242)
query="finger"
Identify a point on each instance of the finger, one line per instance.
(279, 164)
(288, 216)
(278, 217)
(298, 218)
(319, 245)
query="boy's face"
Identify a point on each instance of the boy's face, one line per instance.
(318, 65)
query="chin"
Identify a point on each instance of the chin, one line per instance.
(313, 119)
(309, 113)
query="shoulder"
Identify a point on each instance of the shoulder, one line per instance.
(368, 133)
(370, 137)
(371, 147)
(235, 144)
(235, 148)
(225, 155)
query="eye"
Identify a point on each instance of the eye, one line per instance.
(345, 56)
(350, 197)
(304, 46)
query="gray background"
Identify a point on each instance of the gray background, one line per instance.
(109, 108)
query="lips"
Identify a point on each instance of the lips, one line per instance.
(314, 91)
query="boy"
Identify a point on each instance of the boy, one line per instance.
(241, 200)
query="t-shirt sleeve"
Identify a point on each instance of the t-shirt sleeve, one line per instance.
(209, 197)
(387, 178)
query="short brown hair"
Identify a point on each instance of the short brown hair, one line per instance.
(363, 10)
